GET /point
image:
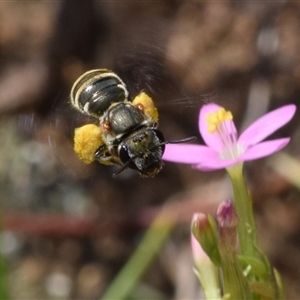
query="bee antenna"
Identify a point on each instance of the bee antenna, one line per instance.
(191, 138)
(121, 169)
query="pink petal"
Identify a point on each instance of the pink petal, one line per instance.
(264, 149)
(187, 153)
(197, 251)
(212, 140)
(215, 164)
(266, 125)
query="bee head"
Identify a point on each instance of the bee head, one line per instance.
(143, 151)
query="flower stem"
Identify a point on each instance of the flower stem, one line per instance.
(243, 205)
(235, 284)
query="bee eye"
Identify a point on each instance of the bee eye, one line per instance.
(161, 138)
(123, 153)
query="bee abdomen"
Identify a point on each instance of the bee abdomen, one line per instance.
(96, 90)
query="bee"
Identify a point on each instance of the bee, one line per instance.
(127, 134)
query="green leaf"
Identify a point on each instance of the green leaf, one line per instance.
(265, 289)
(257, 267)
(152, 242)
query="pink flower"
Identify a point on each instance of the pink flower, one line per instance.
(224, 147)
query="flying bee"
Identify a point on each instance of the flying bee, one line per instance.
(127, 134)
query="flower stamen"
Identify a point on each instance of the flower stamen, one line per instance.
(220, 122)
(216, 118)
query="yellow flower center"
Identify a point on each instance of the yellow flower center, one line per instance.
(215, 118)
(220, 122)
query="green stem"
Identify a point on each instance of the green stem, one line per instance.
(3, 279)
(235, 284)
(147, 250)
(261, 280)
(243, 205)
(208, 275)
(4, 293)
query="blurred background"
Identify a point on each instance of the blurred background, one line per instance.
(68, 228)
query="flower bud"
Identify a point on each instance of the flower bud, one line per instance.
(234, 281)
(205, 232)
(227, 221)
(206, 271)
(226, 215)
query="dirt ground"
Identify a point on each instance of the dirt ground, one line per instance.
(70, 227)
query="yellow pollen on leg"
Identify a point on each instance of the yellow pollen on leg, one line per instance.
(215, 118)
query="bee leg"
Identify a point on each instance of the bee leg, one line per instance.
(87, 140)
(145, 103)
(104, 156)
